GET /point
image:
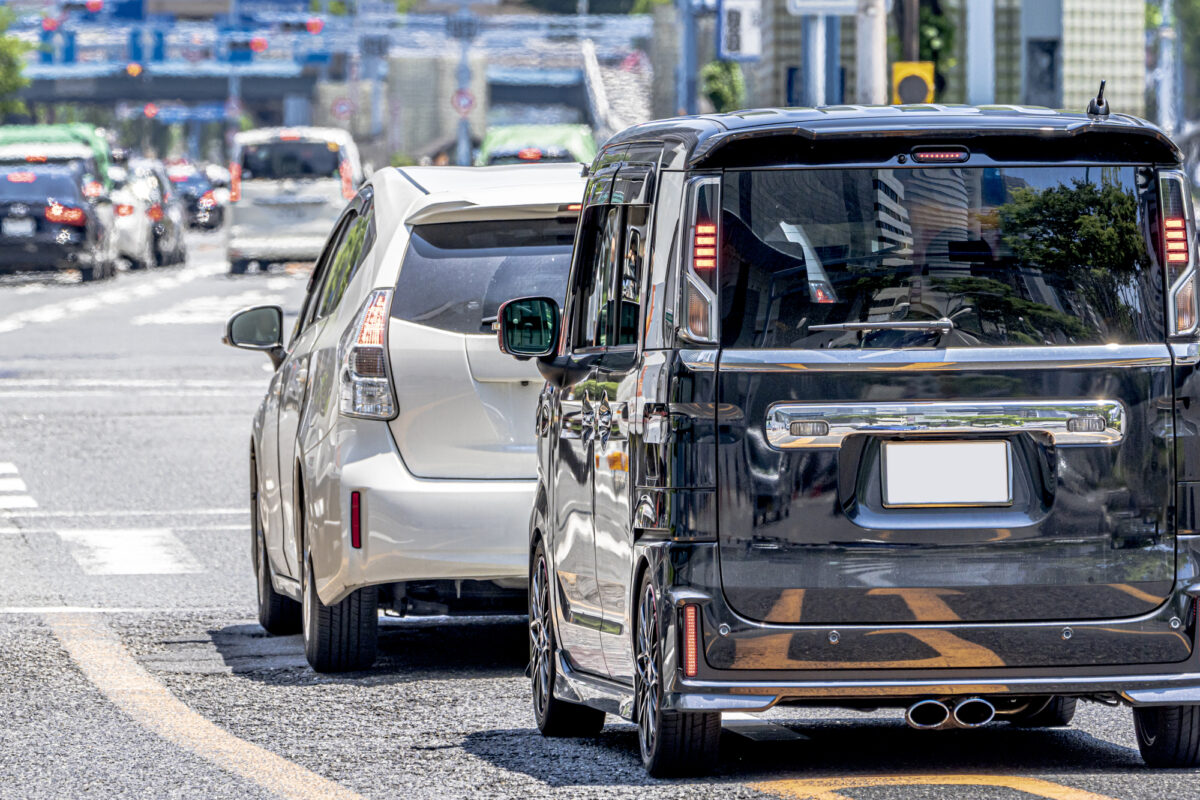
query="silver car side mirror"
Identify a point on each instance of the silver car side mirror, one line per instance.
(257, 328)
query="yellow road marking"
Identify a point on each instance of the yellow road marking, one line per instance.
(926, 605)
(126, 683)
(829, 788)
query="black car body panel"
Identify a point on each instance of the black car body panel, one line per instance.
(735, 455)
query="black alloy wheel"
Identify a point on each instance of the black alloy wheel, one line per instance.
(554, 717)
(672, 743)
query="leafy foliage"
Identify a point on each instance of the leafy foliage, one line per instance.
(722, 84)
(937, 33)
(12, 64)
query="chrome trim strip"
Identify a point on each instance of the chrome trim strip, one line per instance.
(949, 359)
(1185, 353)
(699, 360)
(1042, 417)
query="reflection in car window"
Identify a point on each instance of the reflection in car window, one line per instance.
(1015, 256)
(290, 159)
(455, 275)
(345, 262)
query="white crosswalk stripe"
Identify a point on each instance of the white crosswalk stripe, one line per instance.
(216, 309)
(14, 494)
(136, 551)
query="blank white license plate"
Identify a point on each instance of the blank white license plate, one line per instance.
(947, 474)
(17, 227)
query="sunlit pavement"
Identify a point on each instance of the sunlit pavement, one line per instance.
(130, 665)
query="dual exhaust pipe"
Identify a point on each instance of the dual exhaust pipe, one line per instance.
(929, 715)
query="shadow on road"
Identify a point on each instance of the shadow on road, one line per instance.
(832, 748)
(409, 650)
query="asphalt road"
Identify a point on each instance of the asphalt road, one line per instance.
(131, 665)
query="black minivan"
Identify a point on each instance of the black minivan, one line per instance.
(869, 407)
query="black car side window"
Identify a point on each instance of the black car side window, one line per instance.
(629, 281)
(595, 299)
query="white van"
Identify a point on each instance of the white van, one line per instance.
(287, 188)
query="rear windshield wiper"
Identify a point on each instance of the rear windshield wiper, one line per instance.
(943, 324)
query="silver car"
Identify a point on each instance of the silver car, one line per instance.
(287, 187)
(392, 461)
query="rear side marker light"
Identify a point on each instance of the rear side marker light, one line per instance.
(355, 521)
(691, 640)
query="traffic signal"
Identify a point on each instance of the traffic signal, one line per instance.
(912, 82)
(133, 69)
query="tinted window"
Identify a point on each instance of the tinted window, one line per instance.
(455, 275)
(633, 262)
(279, 160)
(1015, 256)
(345, 261)
(595, 290)
(37, 185)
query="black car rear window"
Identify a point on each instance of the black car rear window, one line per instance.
(26, 184)
(1040, 255)
(455, 275)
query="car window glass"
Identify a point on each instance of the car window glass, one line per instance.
(595, 290)
(317, 282)
(633, 262)
(345, 261)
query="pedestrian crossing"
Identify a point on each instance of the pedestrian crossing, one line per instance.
(130, 551)
(13, 492)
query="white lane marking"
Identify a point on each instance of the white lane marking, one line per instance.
(147, 551)
(53, 312)
(128, 685)
(14, 501)
(12, 485)
(146, 392)
(132, 383)
(8, 468)
(176, 512)
(754, 727)
(245, 527)
(214, 309)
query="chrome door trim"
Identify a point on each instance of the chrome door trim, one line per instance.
(1040, 417)
(1186, 353)
(950, 359)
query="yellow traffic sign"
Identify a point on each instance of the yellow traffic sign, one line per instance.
(912, 82)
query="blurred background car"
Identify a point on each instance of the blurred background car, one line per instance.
(531, 144)
(199, 196)
(166, 210)
(288, 187)
(46, 223)
(133, 227)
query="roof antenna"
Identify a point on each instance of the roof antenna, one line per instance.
(1098, 106)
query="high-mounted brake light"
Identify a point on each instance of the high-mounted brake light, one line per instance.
(65, 215)
(691, 640)
(530, 154)
(941, 155)
(347, 179)
(1177, 255)
(365, 386)
(21, 177)
(35, 159)
(235, 182)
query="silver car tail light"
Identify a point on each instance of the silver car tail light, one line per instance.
(365, 383)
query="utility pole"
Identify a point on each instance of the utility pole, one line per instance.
(685, 76)
(1168, 70)
(233, 106)
(981, 52)
(872, 53)
(911, 35)
(813, 31)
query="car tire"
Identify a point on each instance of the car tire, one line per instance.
(89, 274)
(554, 717)
(672, 743)
(277, 613)
(1057, 712)
(239, 266)
(342, 637)
(1168, 736)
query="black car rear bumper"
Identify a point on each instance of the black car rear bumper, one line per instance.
(38, 255)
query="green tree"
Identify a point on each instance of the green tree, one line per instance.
(12, 65)
(721, 82)
(937, 43)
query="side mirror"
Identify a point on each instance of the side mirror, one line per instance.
(257, 328)
(528, 327)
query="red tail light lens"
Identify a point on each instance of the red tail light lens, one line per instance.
(21, 177)
(691, 640)
(374, 322)
(208, 200)
(235, 182)
(1176, 254)
(366, 387)
(946, 155)
(65, 215)
(704, 253)
(355, 521)
(123, 209)
(530, 154)
(347, 179)
(155, 212)
(92, 189)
